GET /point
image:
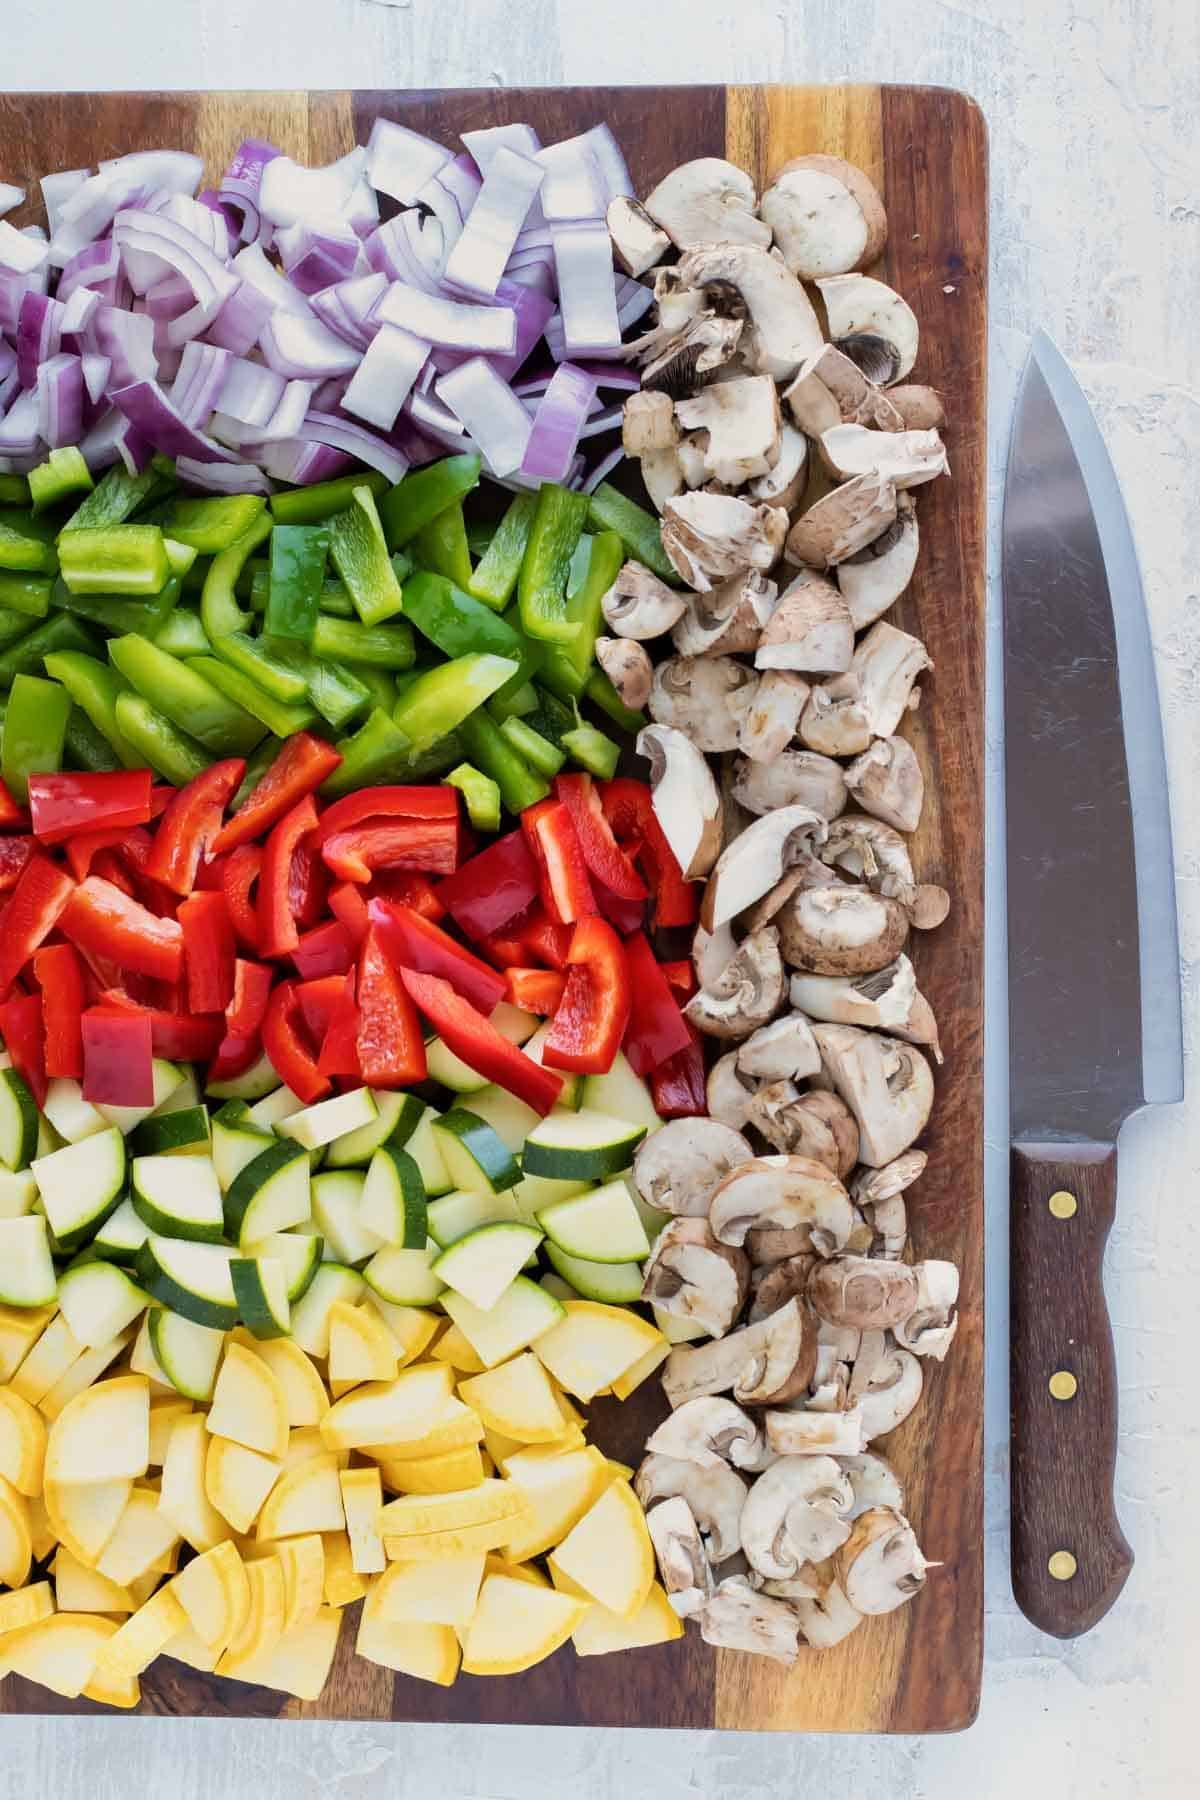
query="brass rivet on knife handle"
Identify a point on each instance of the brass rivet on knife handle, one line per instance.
(1062, 1565)
(1063, 1385)
(1063, 1205)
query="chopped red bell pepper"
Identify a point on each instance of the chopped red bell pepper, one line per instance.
(485, 894)
(680, 977)
(62, 804)
(339, 1051)
(601, 851)
(302, 765)
(100, 918)
(420, 944)
(373, 803)
(12, 816)
(506, 952)
(407, 888)
(286, 1042)
(349, 907)
(308, 883)
(59, 973)
(548, 942)
(210, 952)
(562, 872)
(161, 796)
(657, 1028)
(133, 843)
(176, 1036)
(325, 950)
(630, 812)
(118, 1058)
(32, 911)
(475, 1039)
(247, 1009)
(239, 873)
(15, 853)
(107, 865)
(319, 1000)
(677, 1086)
(190, 824)
(21, 1030)
(391, 1051)
(535, 990)
(587, 1028)
(277, 931)
(356, 853)
(234, 1056)
(623, 915)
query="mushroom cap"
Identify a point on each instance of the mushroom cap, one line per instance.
(874, 1482)
(795, 778)
(826, 215)
(908, 458)
(859, 305)
(784, 485)
(682, 1559)
(710, 537)
(773, 1286)
(815, 1124)
(639, 605)
(785, 1048)
(863, 1292)
(741, 417)
(834, 721)
(715, 1495)
(829, 1619)
(920, 407)
(703, 696)
(887, 1084)
(769, 724)
(887, 782)
(677, 1167)
(784, 328)
(880, 1565)
(748, 992)
(874, 578)
(709, 1431)
(887, 663)
(707, 201)
(764, 1363)
(637, 241)
(843, 522)
(879, 1001)
(792, 1515)
(783, 1192)
(694, 1276)
(871, 1186)
(728, 619)
(648, 423)
(628, 667)
(738, 1618)
(757, 858)
(891, 1394)
(841, 930)
(868, 850)
(728, 1094)
(810, 629)
(685, 798)
(794, 1433)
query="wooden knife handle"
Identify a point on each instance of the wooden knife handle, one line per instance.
(1070, 1559)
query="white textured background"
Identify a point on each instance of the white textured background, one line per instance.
(1094, 111)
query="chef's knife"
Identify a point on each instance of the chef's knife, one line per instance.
(1093, 984)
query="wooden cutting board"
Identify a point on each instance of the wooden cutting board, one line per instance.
(919, 1669)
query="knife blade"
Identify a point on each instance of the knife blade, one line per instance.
(1093, 987)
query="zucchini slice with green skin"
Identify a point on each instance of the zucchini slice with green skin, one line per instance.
(98, 1300)
(184, 1094)
(73, 1117)
(18, 1193)
(235, 1142)
(571, 1093)
(602, 1226)
(425, 1151)
(26, 1270)
(270, 1112)
(271, 1193)
(259, 1079)
(168, 1079)
(404, 1277)
(396, 1118)
(178, 1197)
(615, 1284)
(80, 1185)
(19, 1121)
(621, 1095)
(316, 1126)
(310, 1319)
(299, 1254)
(260, 1283)
(190, 1279)
(509, 1118)
(121, 1236)
(582, 1146)
(393, 1199)
(182, 1132)
(474, 1153)
(187, 1353)
(485, 1262)
(337, 1210)
(452, 1216)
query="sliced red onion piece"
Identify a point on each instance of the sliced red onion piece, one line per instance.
(534, 386)
(200, 384)
(305, 350)
(181, 250)
(288, 192)
(403, 251)
(222, 478)
(149, 409)
(613, 375)
(586, 289)
(400, 162)
(114, 439)
(356, 441)
(610, 160)
(251, 393)
(169, 298)
(177, 171)
(20, 254)
(607, 420)
(602, 470)
(57, 190)
(252, 265)
(348, 309)
(415, 445)
(430, 415)
(60, 401)
(574, 187)
(98, 263)
(39, 335)
(291, 412)
(239, 323)
(241, 182)
(477, 261)
(212, 200)
(302, 463)
(328, 395)
(558, 424)
(491, 329)
(13, 289)
(450, 197)
(385, 376)
(19, 426)
(482, 145)
(125, 181)
(8, 361)
(127, 339)
(316, 257)
(10, 197)
(79, 309)
(491, 412)
(96, 372)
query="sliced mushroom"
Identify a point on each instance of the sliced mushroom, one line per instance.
(757, 859)
(930, 1327)
(748, 992)
(920, 407)
(894, 1390)
(788, 1193)
(738, 1618)
(889, 1227)
(773, 714)
(710, 1431)
(676, 362)
(872, 1187)
(694, 1276)
(685, 798)
(728, 620)
(768, 1245)
(762, 1364)
(691, 460)
(785, 484)
(784, 328)
(888, 1086)
(710, 537)
(803, 1586)
(785, 1048)
(857, 307)
(887, 782)
(677, 1167)
(887, 663)
(870, 850)
(907, 458)
(708, 201)
(809, 630)
(792, 1515)
(834, 721)
(639, 605)
(741, 418)
(873, 1482)
(830, 390)
(881, 1001)
(715, 1495)
(637, 241)
(862, 1292)
(826, 215)
(794, 1433)
(712, 953)
(829, 1619)
(873, 579)
(843, 522)
(814, 1124)
(795, 778)
(773, 1287)
(705, 697)
(880, 1565)
(682, 1560)
(728, 1093)
(648, 423)
(841, 930)
(628, 667)
(662, 476)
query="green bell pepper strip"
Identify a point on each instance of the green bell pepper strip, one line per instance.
(337, 694)
(13, 626)
(538, 751)
(313, 505)
(638, 529)
(181, 557)
(379, 683)
(299, 554)
(26, 656)
(182, 634)
(542, 585)
(257, 764)
(458, 624)
(550, 717)
(63, 472)
(520, 786)
(28, 594)
(597, 753)
(114, 614)
(513, 702)
(423, 495)
(438, 701)
(95, 689)
(22, 552)
(442, 546)
(281, 717)
(212, 525)
(387, 646)
(114, 559)
(14, 490)
(169, 752)
(87, 748)
(495, 578)
(378, 752)
(333, 598)
(481, 794)
(184, 697)
(219, 610)
(360, 556)
(566, 667)
(35, 727)
(117, 496)
(601, 692)
(252, 658)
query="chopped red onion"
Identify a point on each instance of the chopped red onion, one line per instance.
(200, 384)
(78, 311)
(222, 478)
(149, 409)
(96, 372)
(610, 160)
(289, 193)
(348, 308)
(355, 440)
(400, 162)
(385, 376)
(145, 178)
(60, 401)
(316, 257)
(574, 187)
(609, 419)
(291, 412)
(602, 470)
(176, 171)
(491, 412)
(39, 335)
(613, 375)
(239, 323)
(558, 424)
(127, 339)
(302, 463)
(251, 393)
(477, 261)
(533, 310)
(240, 185)
(304, 349)
(98, 263)
(57, 190)
(169, 298)
(451, 197)
(19, 426)
(19, 253)
(252, 265)
(429, 414)
(586, 289)
(440, 321)
(181, 250)
(483, 145)
(404, 250)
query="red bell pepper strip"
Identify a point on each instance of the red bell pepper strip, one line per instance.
(601, 851)
(15, 853)
(476, 1040)
(623, 915)
(657, 1028)
(99, 917)
(21, 1030)
(133, 843)
(356, 853)
(677, 1086)
(319, 1000)
(240, 871)
(287, 1046)
(391, 1051)
(374, 803)
(420, 944)
(485, 894)
(680, 977)
(325, 950)
(176, 1036)
(209, 951)
(191, 822)
(118, 1058)
(308, 883)
(277, 932)
(61, 805)
(161, 796)
(628, 809)
(590, 1022)
(33, 910)
(247, 1009)
(505, 952)
(107, 866)
(339, 1051)
(59, 973)
(348, 906)
(406, 887)
(301, 766)
(12, 816)
(234, 1056)
(562, 872)
(548, 942)
(535, 990)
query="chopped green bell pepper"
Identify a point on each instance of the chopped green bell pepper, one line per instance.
(115, 614)
(593, 750)
(298, 557)
(566, 667)
(424, 494)
(183, 696)
(114, 559)
(542, 586)
(279, 716)
(379, 683)
(514, 702)
(257, 764)
(638, 529)
(219, 610)
(13, 626)
(495, 579)
(442, 546)
(14, 490)
(481, 794)
(63, 472)
(520, 786)
(438, 701)
(252, 657)
(95, 689)
(349, 640)
(380, 752)
(313, 505)
(28, 594)
(59, 632)
(333, 598)
(360, 555)
(22, 551)
(550, 717)
(538, 751)
(117, 496)
(35, 727)
(87, 748)
(213, 524)
(337, 694)
(182, 634)
(169, 752)
(459, 624)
